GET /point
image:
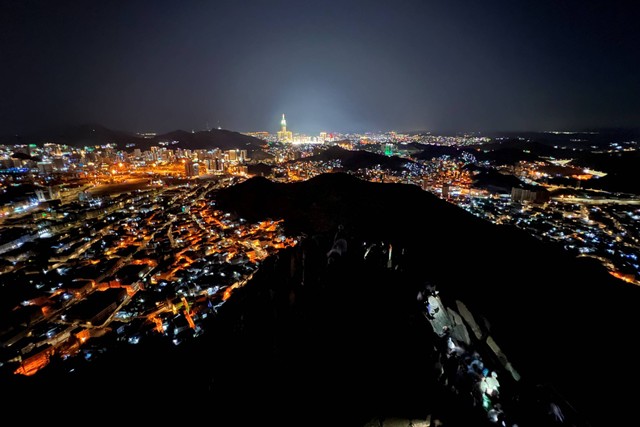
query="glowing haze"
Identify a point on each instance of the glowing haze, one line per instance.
(332, 66)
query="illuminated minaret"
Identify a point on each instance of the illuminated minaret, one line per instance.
(283, 134)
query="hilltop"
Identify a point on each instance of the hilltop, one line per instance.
(352, 160)
(95, 134)
(547, 309)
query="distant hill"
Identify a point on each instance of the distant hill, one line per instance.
(621, 169)
(215, 138)
(94, 134)
(507, 156)
(501, 152)
(75, 136)
(260, 169)
(587, 138)
(353, 160)
(517, 144)
(261, 155)
(428, 152)
(11, 194)
(511, 151)
(496, 182)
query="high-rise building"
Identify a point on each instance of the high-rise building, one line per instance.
(45, 168)
(529, 194)
(445, 190)
(243, 156)
(48, 193)
(284, 135)
(191, 168)
(58, 163)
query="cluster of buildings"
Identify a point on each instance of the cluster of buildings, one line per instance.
(152, 262)
(286, 136)
(205, 162)
(38, 175)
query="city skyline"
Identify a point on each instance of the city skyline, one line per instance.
(349, 67)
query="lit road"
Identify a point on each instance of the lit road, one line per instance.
(588, 201)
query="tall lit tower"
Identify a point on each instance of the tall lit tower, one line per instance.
(284, 135)
(191, 168)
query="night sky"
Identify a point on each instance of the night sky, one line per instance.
(329, 65)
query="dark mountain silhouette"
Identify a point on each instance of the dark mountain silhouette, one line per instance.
(215, 138)
(519, 143)
(621, 169)
(587, 150)
(502, 152)
(561, 320)
(260, 169)
(494, 181)
(357, 159)
(430, 151)
(11, 194)
(94, 134)
(617, 182)
(579, 140)
(412, 148)
(260, 155)
(24, 156)
(507, 156)
(77, 136)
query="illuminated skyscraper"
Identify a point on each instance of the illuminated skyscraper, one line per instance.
(191, 168)
(283, 134)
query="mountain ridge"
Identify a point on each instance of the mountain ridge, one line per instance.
(357, 159)
(95, 135)
(537, 297)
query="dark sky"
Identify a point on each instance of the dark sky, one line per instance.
(329, 65)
